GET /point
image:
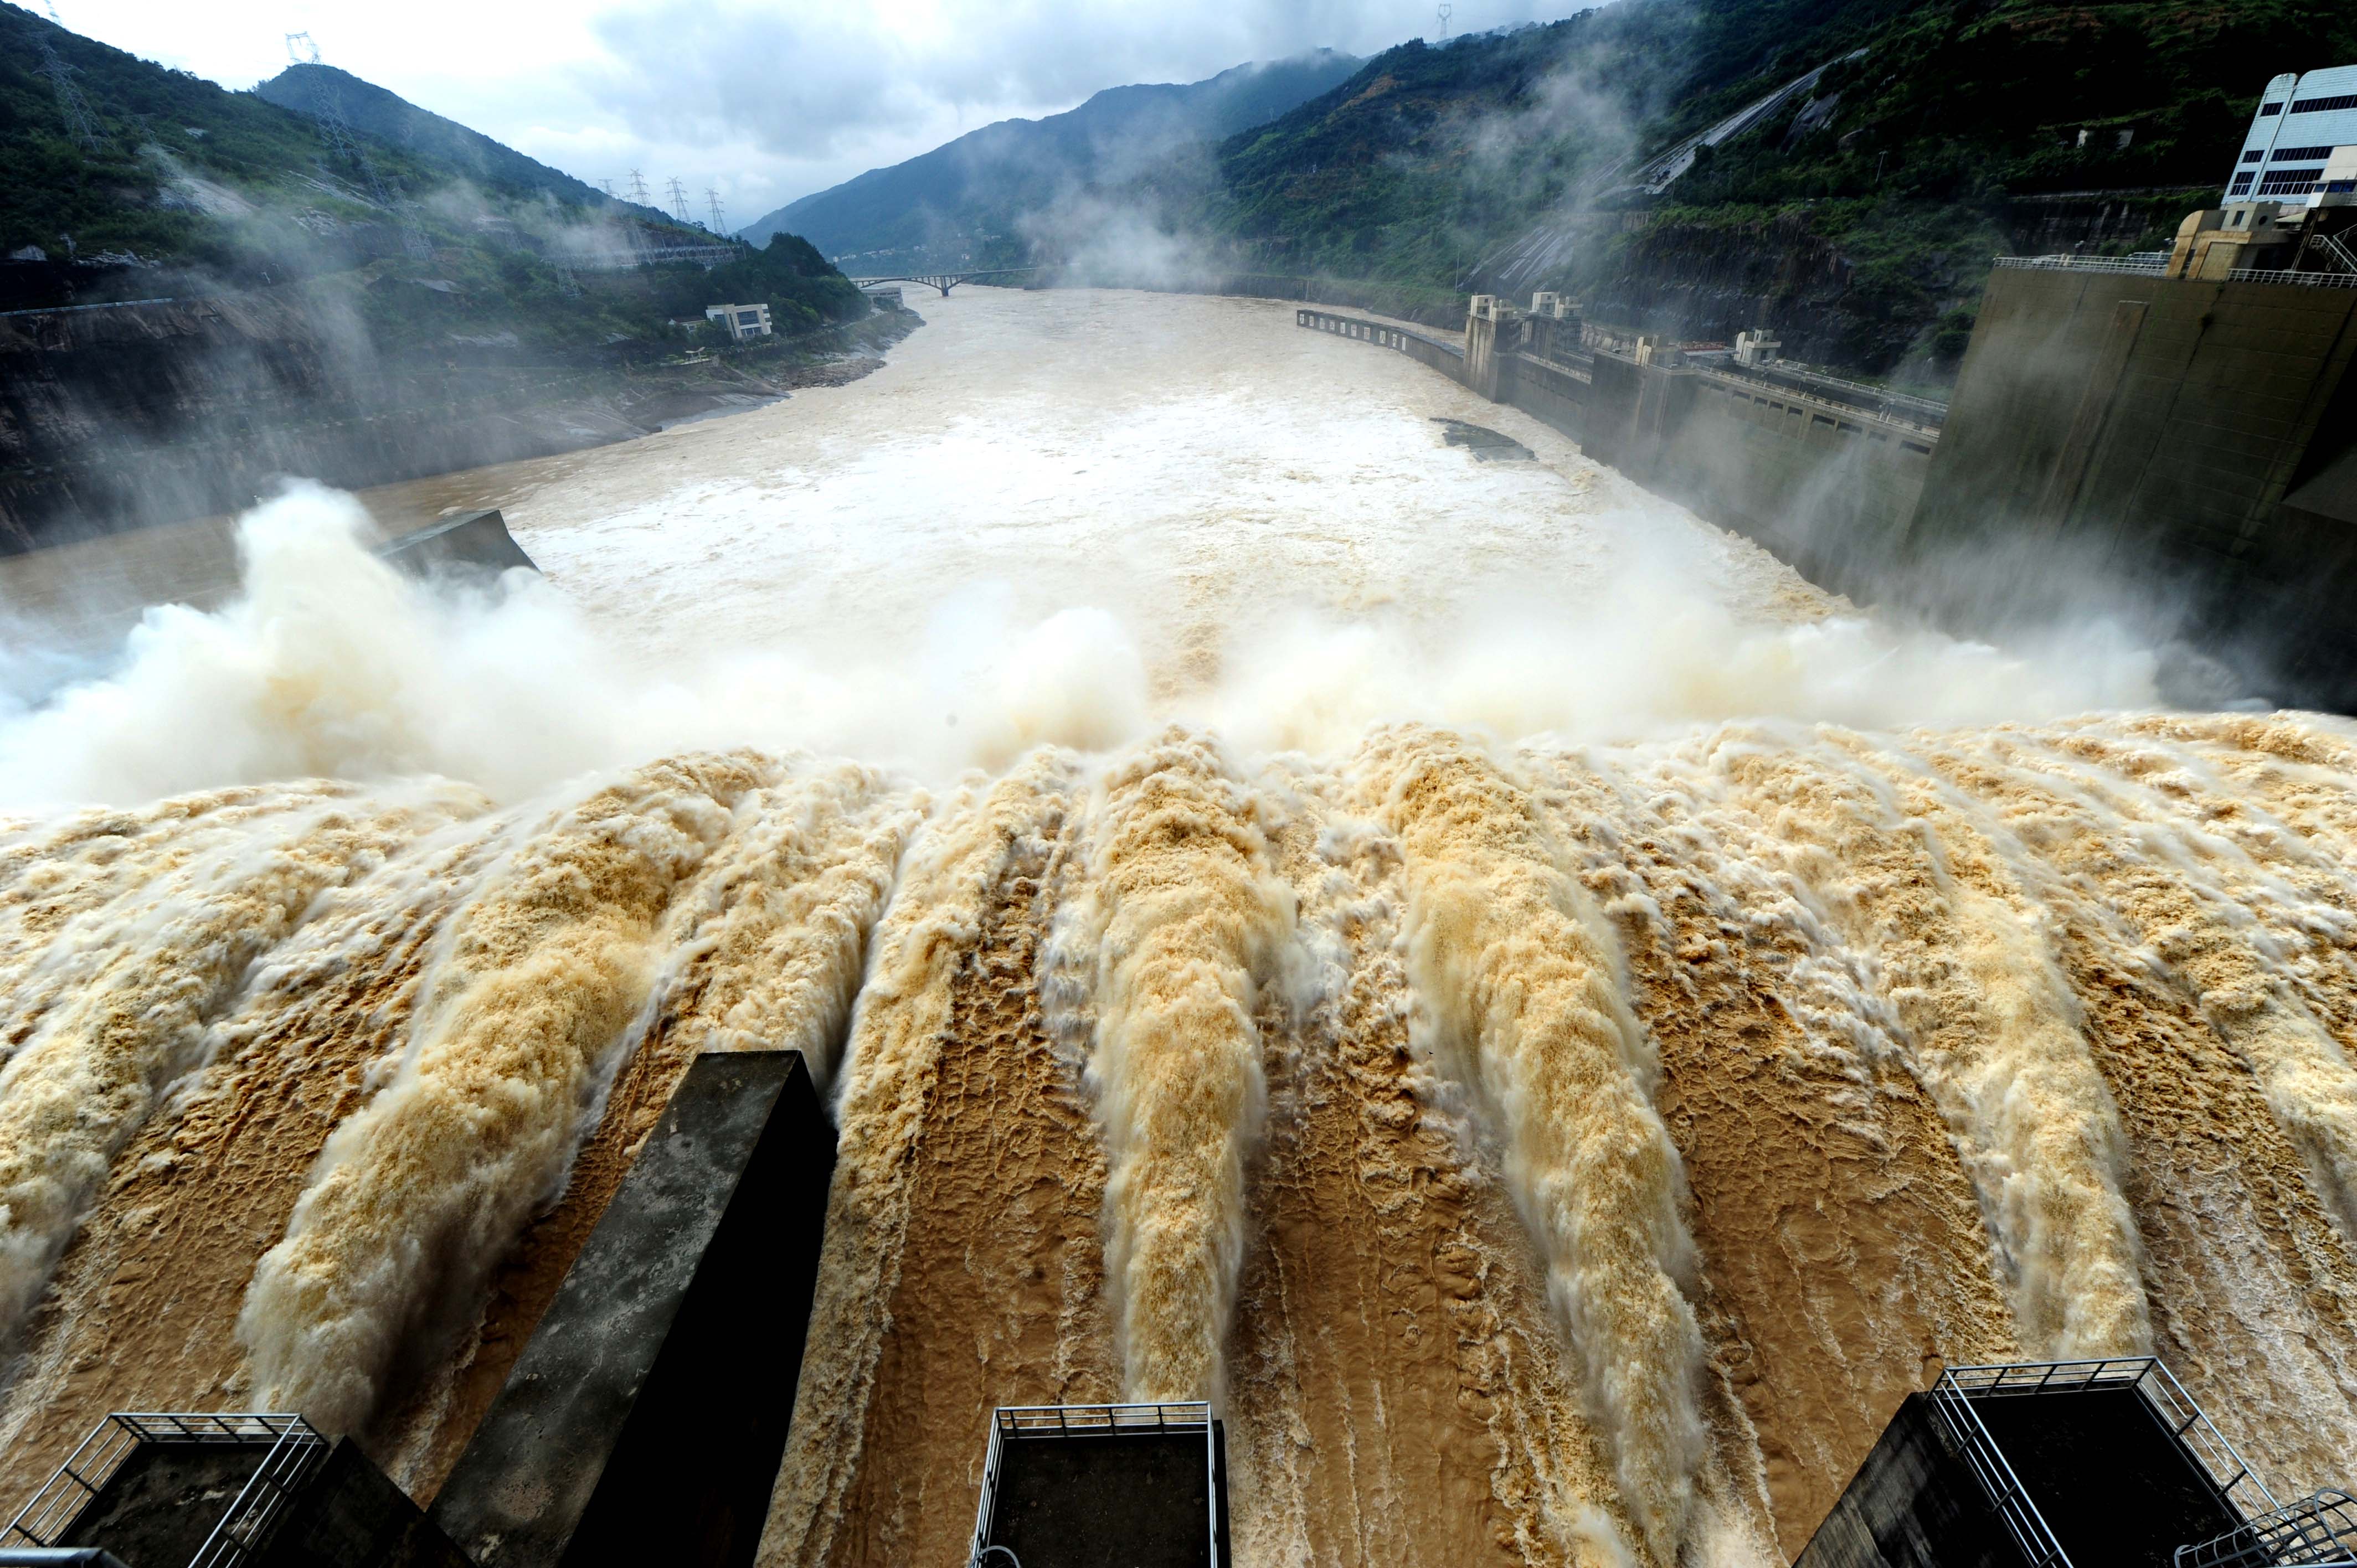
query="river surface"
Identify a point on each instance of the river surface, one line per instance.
(1551, 1023)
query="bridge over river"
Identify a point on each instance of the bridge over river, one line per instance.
(946, 281)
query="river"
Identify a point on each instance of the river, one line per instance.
(1551, 1021)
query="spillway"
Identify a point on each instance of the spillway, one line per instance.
(1553, 1024)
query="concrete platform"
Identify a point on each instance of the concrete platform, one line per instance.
(1141, 1501)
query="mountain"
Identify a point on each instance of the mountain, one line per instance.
(494, 165)
(1857, 211)
(132, 181)
(980, 187)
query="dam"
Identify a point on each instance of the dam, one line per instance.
(1550, 1026)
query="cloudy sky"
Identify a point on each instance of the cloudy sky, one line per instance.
(764, 101)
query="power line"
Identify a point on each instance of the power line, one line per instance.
(72, 108)
(336, 131)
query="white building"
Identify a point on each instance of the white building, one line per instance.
(741, 321)
(2287, 155)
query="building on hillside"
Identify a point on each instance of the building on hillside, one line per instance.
(741, 322)
(2302, 121)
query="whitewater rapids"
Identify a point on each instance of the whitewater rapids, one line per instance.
(1553, 1022)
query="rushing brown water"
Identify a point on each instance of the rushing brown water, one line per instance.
(1557, 1077)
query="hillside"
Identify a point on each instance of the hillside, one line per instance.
(976, 193)
(175, 168)
(491, 165)
(432, 234)
(359, 307)
(1858, 213)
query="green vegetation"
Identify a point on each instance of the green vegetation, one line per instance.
(212, 189)
(389, 118)
(163, 137)
(1880, 195)
(802, 289)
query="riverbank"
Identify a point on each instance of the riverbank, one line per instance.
(150, 415)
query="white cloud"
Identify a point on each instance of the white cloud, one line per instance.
(765, 102)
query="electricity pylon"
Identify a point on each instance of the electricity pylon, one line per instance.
(72, 106)
(719, 223)
(336, 131)
(678, 199)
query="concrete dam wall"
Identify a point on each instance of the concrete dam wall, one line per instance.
(2190, 443)
(1825, 485)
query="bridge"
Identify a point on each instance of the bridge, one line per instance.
(947, 281)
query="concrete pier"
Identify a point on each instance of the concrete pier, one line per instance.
(645, 1421)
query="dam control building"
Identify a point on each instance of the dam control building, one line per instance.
(2301, 120)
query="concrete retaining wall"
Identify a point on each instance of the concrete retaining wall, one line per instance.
(2159, 441)
(1831, 488)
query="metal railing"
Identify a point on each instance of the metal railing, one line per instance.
(1101, 1420)
(2135, 265)
(295, 1446)
(2319, 1531)
(1834, 391)
(1960, 1388)
(2299, 280)
(2160, 1390)
(1049, 1422)
(2138, 268)
(1952, 1407)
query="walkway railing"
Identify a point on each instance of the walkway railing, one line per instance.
(2319, 1529)
(2298, 280)
(1961, 1388)
(294, 1447)
(1952, 1407)
(1014, 1423)
(2084, 265)
(2137, 268)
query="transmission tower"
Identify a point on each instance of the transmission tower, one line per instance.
(608, 186)
(719, 223)
(678, 199)
(637, 187)
(1446, 11)
(336, 131)
(72, 107)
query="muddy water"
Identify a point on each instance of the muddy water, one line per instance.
(1555, 1025)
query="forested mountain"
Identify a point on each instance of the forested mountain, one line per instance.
(493, 166)
(141, 181)
(980, 187)
(1939, 133)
